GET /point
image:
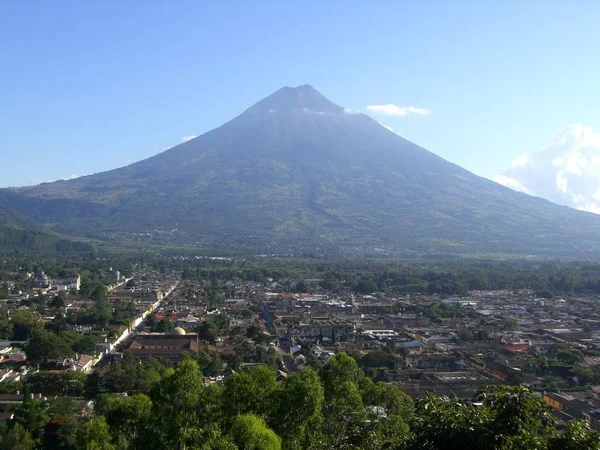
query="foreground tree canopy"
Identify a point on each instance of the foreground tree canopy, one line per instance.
(337, 407)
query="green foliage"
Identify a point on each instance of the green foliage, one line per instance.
(441, 423)
(163, 326)
(17, 438)
(43, 347)
(377, 359)
(210, 365)
(56, 383)
(25, 324)
(250, 432)
(577, 436)
(94, 435)
(32, 416)
(85, 344)
(565, 354)
(127, 417)
(338, 408)
(250, 392)
(178, 397)
(297, 410)
(128, 375)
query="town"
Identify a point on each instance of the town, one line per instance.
(68, 334)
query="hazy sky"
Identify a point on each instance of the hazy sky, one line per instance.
(87, 86)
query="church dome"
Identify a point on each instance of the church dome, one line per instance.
(178, 331)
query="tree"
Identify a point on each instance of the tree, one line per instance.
(25, 324)
(577, 436)
(509, 324)
(6, 328)
(519, 419)
(297, 415)
(59, 324)
(59, 301)
(178, 397)
(300, 287)
(250, 432)
(99, 293)
(94, 435)
(16, 438)
(343, 408)
(208, 331)
(164, 325)
(44, 346)
(151, 321)
(250, 392)
(32, 416)
(52, 384)
(130, 375)
(443, 423)
(390, 398)
(211, 365)
(86, 343)
(61, 430)
(126, 416)
(515, 378)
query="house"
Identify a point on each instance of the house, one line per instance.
(170, 346)
(569, 405)
(84, 363)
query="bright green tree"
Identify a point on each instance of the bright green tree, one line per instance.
(577, 436)
(250, 392)
(176, 404)
(94, 435)
(297, 416)
(250, 432)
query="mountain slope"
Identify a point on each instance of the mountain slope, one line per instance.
(295, 171)
(20, 233)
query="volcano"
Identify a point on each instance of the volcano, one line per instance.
(296, 172)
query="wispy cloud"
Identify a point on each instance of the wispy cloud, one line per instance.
(386, 126)
(350, 111)
(512, 183)
(36, 181)
(398, 111)
(188, 138)
(567, 172)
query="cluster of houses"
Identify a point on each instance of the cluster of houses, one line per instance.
(491, 337)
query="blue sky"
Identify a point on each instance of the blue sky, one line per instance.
(90, 86)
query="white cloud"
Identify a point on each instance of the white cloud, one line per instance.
(350, 111)
(567, 172)
(512, 183)
(562, 183)
(314, 111)
(36, 181)
(521, 161)
(188, 138)
(398, 111)
(386, 126)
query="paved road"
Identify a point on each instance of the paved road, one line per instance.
(138, 322)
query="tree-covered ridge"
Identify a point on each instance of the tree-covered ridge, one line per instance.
(335, 407)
